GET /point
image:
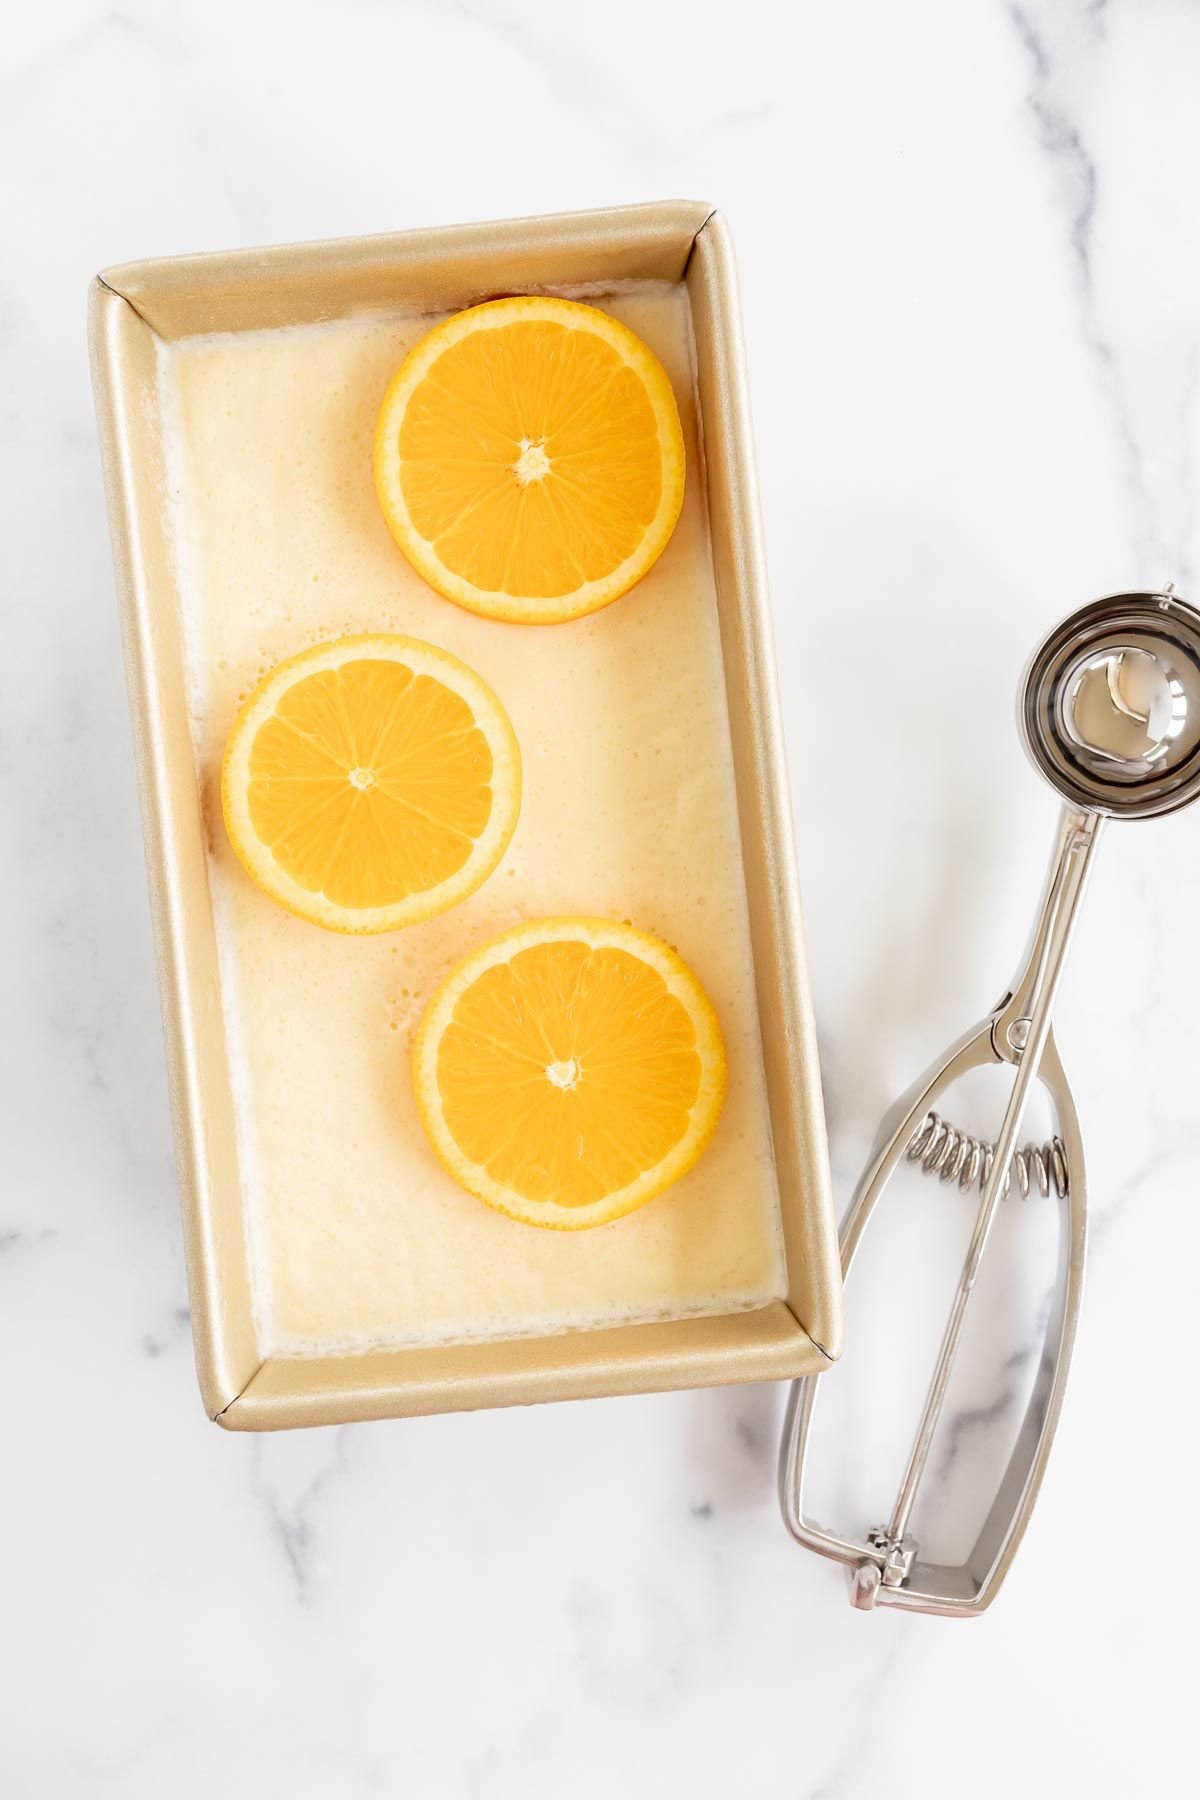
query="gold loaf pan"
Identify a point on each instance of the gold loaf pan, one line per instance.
(131, 309)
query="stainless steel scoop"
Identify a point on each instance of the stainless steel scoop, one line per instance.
(1110, 716)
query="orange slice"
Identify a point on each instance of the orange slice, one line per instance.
(529, 459)
(371, 782)
(569, 1071)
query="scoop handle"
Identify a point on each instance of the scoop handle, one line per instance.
(1020, 1030)
(887, 1568)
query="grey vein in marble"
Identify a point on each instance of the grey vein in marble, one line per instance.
(293, 1524)
(172, 1336)
(14, 1240)
(1057, 37)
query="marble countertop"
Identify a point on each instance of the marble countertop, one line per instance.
(969, 240)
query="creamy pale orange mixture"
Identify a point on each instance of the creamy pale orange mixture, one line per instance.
(357, 1236)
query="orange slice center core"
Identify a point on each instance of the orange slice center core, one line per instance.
(533, 464)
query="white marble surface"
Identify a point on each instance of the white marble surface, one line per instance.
(970, 257)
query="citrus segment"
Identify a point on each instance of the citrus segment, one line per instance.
(529, 459)
(371, 782)
(569, 1071)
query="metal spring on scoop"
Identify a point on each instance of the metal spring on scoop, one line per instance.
(944, 1151)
